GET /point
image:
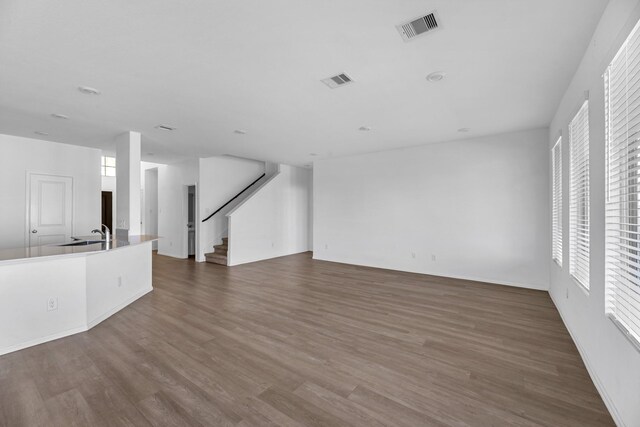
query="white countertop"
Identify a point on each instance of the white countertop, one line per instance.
(56, 250)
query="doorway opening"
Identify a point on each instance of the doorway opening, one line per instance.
(107, 209)
(191, 219)
(150, 217)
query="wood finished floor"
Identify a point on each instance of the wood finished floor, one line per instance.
(293, 342)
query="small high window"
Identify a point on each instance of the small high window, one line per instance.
(108, 166)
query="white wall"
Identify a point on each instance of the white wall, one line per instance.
(173, 181)
(479, 206)
(128, 182)
(310, 210)
(612, 361)
(26, 289)
(19, 155)
(115, 279)
(274, 220)
(151, 203)
(109, 184)
(221, 179)
(153, 199)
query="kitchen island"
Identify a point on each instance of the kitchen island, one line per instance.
(48, 292)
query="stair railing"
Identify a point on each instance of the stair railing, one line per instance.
(234, 197)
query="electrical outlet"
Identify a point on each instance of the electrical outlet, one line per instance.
(326, 246)
(119, 281)
(567, 293)
(433, 258)
(52, 304)
(413, 255)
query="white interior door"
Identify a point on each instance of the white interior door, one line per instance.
(50, 209)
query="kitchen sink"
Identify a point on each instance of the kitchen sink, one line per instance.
(83, 243)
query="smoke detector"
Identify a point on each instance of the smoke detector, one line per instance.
(60, 116)
(419, 26)
(436, 77)
(337, 80)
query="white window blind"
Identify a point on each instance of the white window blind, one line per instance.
(579, 196)
(622, 251)
(556, 233)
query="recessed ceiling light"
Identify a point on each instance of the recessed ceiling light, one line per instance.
(89, 90)
(149, 154)
(464, 130)
(436, 77)
(313, 154)
(165, 127)
(60, 116)
(38, 132)
(240, 131)
(364, 128)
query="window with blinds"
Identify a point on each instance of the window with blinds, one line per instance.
(579, 196)
(622, 250)
(556, 220)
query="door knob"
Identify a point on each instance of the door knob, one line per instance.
(34, 231)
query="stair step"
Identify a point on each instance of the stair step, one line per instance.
(216, 258)
(215, 255)
(219, 254)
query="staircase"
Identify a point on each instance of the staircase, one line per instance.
(219, 254)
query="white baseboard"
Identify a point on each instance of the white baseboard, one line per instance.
(232, 262)
(172, 255)
(592, 373)
(114, 310)
(72, 331)
(448, 276)
(42, 340)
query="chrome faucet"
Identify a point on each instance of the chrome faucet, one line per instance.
(106, 235)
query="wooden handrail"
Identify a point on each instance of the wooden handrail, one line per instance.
(234, 197)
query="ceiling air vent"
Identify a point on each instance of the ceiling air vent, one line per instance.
(419, 26)
(336, 81)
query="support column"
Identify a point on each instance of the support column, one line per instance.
(128, 216)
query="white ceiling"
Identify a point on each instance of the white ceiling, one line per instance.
(209, 67)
